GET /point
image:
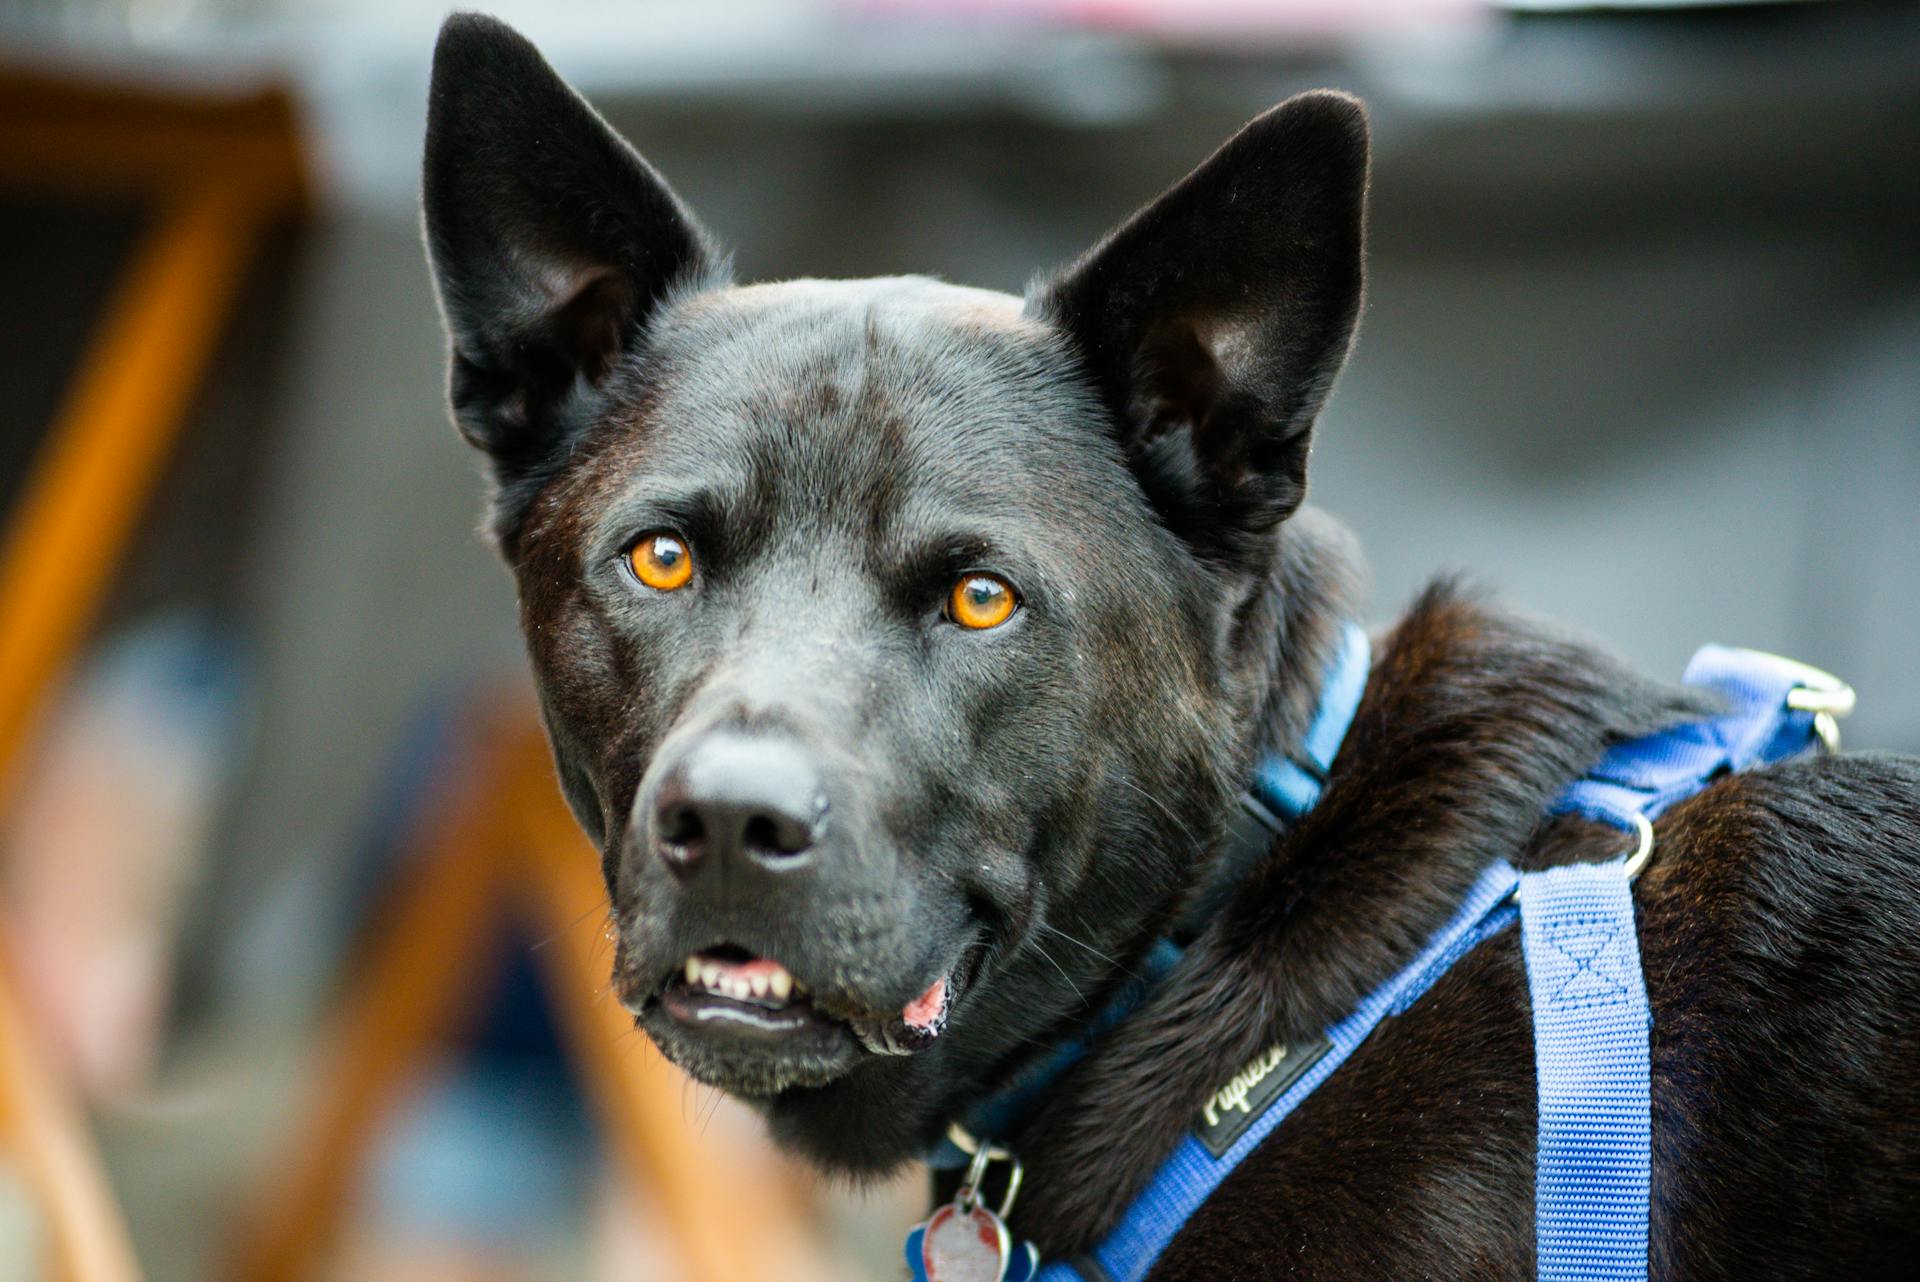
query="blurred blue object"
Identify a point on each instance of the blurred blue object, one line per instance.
(496, 1153)
(187, 672)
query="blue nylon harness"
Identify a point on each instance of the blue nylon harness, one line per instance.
(1591, 1020)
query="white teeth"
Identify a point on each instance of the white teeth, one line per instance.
(764, 982)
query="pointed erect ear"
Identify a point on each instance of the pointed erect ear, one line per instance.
(551, 241)
(1214, 321)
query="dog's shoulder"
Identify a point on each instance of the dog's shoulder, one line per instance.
(1473, 720)
(1780, 886)
(1795, 843)
(1780, 920)
(1780, 938)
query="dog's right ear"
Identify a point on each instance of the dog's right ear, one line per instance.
(1214, 321)
(551, 241)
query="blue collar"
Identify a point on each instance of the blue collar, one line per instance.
(1290, 786)
(1283, 789)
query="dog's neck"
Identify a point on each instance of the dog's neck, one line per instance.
(1312, 665)
(1291, 627)
(1289, 637)
(1472, 722)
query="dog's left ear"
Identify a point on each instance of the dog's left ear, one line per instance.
(1215, 319)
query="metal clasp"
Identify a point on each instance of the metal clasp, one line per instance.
(1828, 698)
(1817, 691)
(984, 1155)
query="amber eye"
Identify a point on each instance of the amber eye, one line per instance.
(662, 560)
(981, 601)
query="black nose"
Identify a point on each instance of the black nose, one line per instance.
(740, 799)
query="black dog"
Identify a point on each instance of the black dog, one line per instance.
(905, 648)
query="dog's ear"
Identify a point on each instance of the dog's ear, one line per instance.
(1215, 319)
(551, 241)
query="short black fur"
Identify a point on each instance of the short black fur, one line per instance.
(1009, 817)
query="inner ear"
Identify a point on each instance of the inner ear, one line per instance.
(1177, 381)
(572, 328)
(590, 325)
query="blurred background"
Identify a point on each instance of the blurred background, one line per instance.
(301, 965)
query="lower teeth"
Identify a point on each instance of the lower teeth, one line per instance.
(889, 1035)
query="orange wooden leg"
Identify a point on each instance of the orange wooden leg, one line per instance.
(60, 554)
(129, 398)
(218, 175)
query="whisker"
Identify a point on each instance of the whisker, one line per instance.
(571, 926)
(1063, 972)
(1162, 807)
(1081, 943)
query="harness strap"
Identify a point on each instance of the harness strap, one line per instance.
(1591, 1022)
(1762, 721)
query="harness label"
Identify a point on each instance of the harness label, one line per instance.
(1253, 1089)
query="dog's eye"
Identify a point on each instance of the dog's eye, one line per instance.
(661, 560)
(981, 601)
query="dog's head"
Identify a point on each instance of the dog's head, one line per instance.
(897, 641)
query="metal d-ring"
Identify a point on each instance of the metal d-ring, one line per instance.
(1641, 857)
(1826, 696)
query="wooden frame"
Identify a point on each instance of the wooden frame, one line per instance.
(219, 172)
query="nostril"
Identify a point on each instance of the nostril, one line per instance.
(732, 798)
(776, 835)
(681, 825)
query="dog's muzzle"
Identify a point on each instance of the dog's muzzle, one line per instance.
(734, 835)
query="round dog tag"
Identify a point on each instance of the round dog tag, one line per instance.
(965, 1245)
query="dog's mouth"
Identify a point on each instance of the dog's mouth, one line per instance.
(728, 991)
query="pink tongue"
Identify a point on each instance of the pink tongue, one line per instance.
(925, 1010)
